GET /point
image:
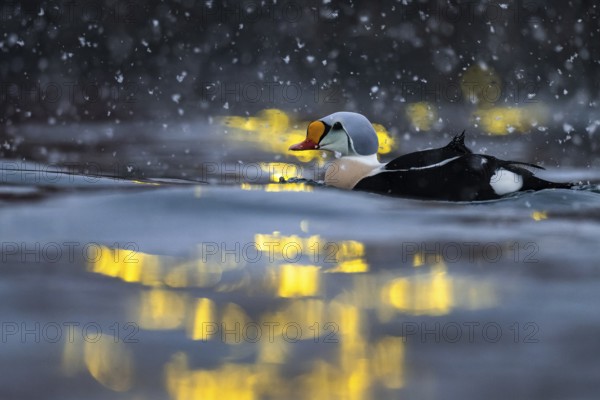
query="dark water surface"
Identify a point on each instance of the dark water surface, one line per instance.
(158, 286)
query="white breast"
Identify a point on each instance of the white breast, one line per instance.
(346, 172)
(504, 182)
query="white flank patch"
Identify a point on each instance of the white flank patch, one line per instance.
(504, 182)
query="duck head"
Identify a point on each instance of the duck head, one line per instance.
(346, 133)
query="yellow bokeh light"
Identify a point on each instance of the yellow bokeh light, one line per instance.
(351, 266)
(110, 362)
(421, 115)
(481, 85)
(125, 264)
(204, 324)
(425, 294)
(229, 381)
(356, 361)
(298, 280)
(388, 361)
(161, 309)
(505, 120)
(277, 187)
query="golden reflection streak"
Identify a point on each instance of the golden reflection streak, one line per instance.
(128, 265)
(273, 350)
(279, 187)
(110, 363)
(156, 271)
(203, 320)
(359, 366)
(146, 183)
(539, 215)
(428, 294)
(230, 381)
(350, 267)
(161, 309)
(298, 280)
(278, 170)
(388, 362)
(234, 321)
(434, 293)
(315, 247)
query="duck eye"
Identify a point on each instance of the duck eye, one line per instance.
(337, 125)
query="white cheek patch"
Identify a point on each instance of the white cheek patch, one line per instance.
(504, 182)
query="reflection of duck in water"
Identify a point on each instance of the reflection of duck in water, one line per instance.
(452, 172)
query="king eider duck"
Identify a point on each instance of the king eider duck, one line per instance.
(452, 172)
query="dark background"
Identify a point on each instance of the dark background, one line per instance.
(116, 60)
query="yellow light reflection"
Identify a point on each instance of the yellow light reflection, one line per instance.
(110, 362)
(155, 271)
(353, 375)
(539, 215)
(418, 260)
(274, 351)
(281, 170)
(388, 362)
(298, 280)
(350, 249)
(229, 381)
(288, 187)
(314, 247)
(233, 324)
(351, 267)
(161, 309)
(146, 183)
(434, 293)
(278, 187)
(128, 265)
(205, 319)
(355, 362)
(428, 294)
(421, 259)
